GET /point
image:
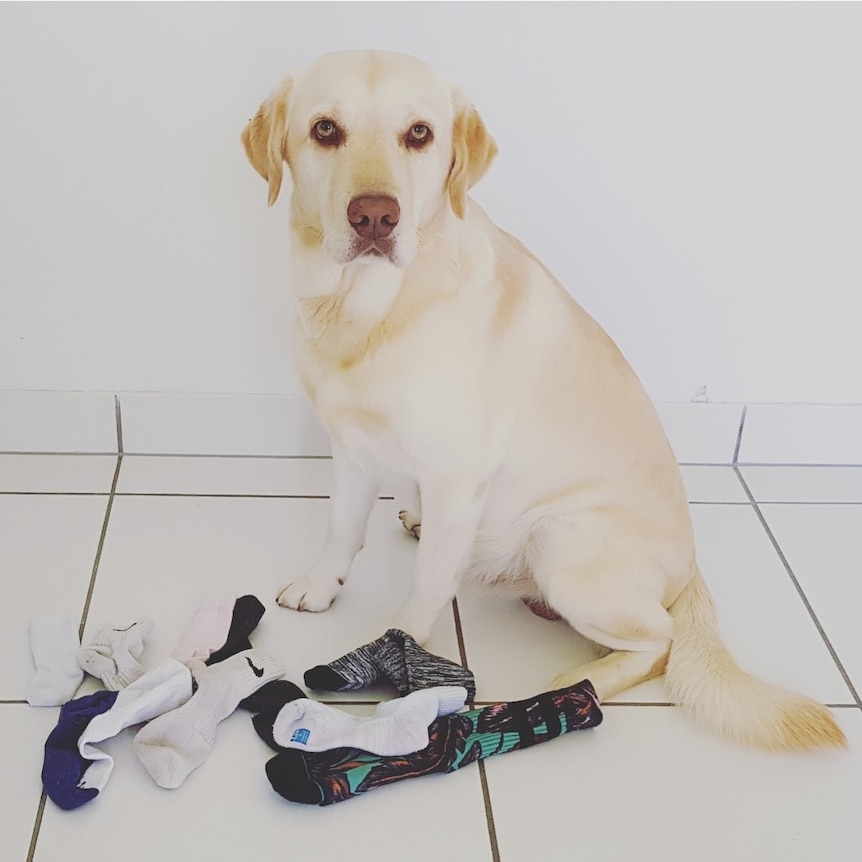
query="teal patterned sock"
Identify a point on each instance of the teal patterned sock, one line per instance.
(455, 740)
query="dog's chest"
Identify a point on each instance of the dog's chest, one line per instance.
(369, 420)
(406, 406)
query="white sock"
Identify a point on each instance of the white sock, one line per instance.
(54, 642)
(112, 656)
(398, 726)
(163, 688)
(176, 743)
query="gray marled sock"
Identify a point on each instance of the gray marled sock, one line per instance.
(395, 657)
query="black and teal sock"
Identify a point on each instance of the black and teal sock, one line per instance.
(396, 658)
(455, 740)
(247, 613)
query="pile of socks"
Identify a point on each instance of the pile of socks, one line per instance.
(327, 756)
(323, 755)
(180, 701)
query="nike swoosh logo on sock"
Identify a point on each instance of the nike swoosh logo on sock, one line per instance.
(258, 671)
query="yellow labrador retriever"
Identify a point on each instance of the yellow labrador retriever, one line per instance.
(443, 356)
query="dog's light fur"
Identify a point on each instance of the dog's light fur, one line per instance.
(453, 363)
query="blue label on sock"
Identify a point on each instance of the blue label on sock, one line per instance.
(301, 735)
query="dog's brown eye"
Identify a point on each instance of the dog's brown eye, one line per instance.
(418, 136)
(326, 132)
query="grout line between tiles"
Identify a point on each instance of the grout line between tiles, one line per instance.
(799, 590)
(73, 454)
(792, 464)
(54, 493)
(483, 778)
(92, 585)
(37, 825)
(118, 413)
(739, 433)
(221, 455)
(489, 814)
(225, 495)
(808, 503)
(229, 496)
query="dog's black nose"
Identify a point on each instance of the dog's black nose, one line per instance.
(373, 216)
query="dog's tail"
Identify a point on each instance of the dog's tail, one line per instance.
(704, 678)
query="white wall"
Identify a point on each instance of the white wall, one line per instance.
(690, 171)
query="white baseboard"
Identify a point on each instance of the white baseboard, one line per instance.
(285, 426)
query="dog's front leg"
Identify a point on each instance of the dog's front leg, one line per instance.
(451, 510)
(353, 496)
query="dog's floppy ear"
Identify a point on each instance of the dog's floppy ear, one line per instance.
(473, 151)
(265, 138)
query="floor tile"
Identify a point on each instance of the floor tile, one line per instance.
(823, 546)
(701, 433)
(164, 555)
(23, 731)
(152, 474)
(79, 474)
(804, 484)
(168, 424)
(712, 484)
(761, 617)
(647, 784)
(47, 551)
(58, 422)
(802, 434)
(226, 809)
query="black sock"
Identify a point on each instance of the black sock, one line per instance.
(272, 696)
(246, 615)
(280, 692)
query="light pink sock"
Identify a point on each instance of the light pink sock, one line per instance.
(207, 631)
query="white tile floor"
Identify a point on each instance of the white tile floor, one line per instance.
(645, 785)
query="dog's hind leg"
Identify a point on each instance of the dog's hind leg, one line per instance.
(603, 600)
(616, 671)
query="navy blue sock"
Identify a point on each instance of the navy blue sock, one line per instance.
(63, 766)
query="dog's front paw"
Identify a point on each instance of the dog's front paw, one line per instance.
(411, 523)
(307, 594)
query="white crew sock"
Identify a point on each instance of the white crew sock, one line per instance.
(112, 656)
(54, 642)
(176, 743)
(159, 690)
(398, 726)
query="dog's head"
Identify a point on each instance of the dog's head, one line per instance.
(376, 144)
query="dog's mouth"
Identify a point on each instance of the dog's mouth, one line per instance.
(369, 250)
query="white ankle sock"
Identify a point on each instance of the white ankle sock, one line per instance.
(112, 656)
(398, 726)
(174, 744)
(54, 642)
(159, 690)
